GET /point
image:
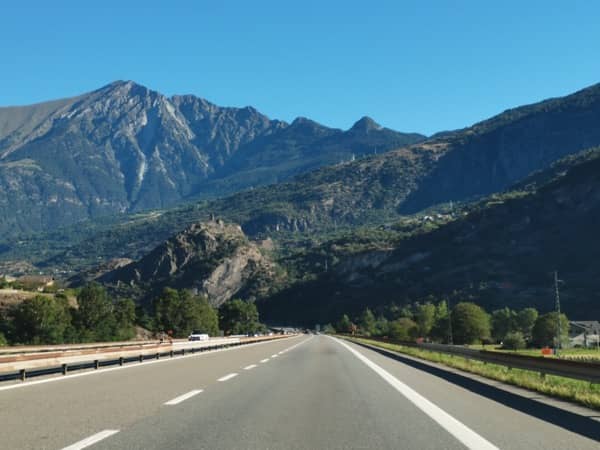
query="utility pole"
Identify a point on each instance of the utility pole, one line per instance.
(558, 327)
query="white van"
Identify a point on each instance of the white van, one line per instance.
(198, 337)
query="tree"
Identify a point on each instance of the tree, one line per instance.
(425, 318)
(344, 325)
(381, 326)
(3, 340)
(513, 341)
(40, 320)
(470, 323)
(504, 321)
(124, 313)
(206, 319)
(441, 310)
(526, 320)
(441, 327)
(166, 311)
(545, 330)
(182, 313)
(367, 322)
(239, 317)
(94, 316)
(403, 329)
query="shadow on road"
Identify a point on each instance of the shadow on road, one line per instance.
(576, 423)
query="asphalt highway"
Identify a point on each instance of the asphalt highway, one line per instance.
(307, 392)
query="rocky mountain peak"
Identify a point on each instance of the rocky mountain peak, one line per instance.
(126, 148)
(365, 124)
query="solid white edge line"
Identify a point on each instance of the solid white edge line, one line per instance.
(183, 397)
(91, 440)
(460, 431)
(130, 366)
(250, 367)
(228, 377)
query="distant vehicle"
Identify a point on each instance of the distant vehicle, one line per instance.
(198, 337)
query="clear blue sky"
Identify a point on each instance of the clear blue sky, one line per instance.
(411, 65)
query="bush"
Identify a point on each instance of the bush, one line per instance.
(545, 330)
(239, 317)
(403, 329)
(3, 340)
(470, 323)
(514, 341)
(40, 320)
(182, 313)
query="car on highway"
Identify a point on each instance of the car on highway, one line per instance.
(198, 337)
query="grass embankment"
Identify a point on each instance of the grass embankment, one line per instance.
(577, 391)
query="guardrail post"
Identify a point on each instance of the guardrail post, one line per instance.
(183, 352)
(141, 358)
(23, 374)
(171, 353)
(64, 369)
(96, 364)
(120, 360)
(157, 355)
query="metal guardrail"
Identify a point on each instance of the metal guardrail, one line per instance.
(96, 364)
(19, 350)
(585, 371)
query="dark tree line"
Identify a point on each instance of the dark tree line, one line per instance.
(97, 317)
(52, 320)
(465, 323)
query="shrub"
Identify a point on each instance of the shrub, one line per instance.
(514, 341)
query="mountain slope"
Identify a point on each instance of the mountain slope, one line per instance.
(492, 155)
(378, 189)
(125, 148)
(503, 252)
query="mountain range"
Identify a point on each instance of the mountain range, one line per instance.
(125, 148)
(363, 217)
(376, 189)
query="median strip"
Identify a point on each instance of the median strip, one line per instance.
(228, 377)
(183, 397)
(84, 443)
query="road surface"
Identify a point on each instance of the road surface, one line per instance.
(307, 392)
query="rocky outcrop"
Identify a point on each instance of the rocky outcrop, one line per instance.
(211, 258)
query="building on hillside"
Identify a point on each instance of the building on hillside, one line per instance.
(584, 333)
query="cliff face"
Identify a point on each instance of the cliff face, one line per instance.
(211, 258)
